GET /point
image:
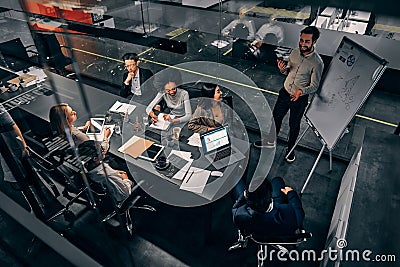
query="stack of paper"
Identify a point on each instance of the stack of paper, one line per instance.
(122, 108)
(195, 180)
(194, 140)
(161, 124)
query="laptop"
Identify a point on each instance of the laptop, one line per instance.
(98, 126)
(153, 135)
(217, 148)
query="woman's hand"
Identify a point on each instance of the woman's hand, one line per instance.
(84, 127)
(123, 174)
(167, 117)
(107, 132)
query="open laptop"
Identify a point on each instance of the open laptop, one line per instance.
(218, 149)
(98, 126)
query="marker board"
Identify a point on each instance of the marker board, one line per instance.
(350, 78)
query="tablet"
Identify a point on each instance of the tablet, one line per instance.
(152, 152)
(98, 124)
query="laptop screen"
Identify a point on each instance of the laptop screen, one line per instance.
(215, 139)
(98, 124)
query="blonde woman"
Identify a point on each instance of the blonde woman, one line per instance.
(62, 117)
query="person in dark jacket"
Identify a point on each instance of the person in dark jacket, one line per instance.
(272, 209)
(133, 80)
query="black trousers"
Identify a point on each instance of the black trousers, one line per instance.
(297, 108)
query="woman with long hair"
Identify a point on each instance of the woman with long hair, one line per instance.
(211, 112)
(62, 117)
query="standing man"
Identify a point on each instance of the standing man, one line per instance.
(304, 71)
(133, 80)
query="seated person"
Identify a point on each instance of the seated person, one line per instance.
(272, 209)
(210, 113)
(134, 78)
(173, 101)
(62, 118)
(269, 28)
(234, 25)
(118, 183)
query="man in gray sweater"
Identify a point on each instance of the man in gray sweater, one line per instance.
(304, 71)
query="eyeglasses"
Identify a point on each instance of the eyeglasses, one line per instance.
(130, 66)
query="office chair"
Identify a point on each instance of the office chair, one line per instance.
(87, 151)
(14, 55)
(49, 169)
(124, 209)
(239, 46)
(275, 241)
(50, 53)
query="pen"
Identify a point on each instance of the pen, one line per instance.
(119, 107)
(189, 177)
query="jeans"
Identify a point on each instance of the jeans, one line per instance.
(297, 108)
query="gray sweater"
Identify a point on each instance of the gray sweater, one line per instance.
(179, 104)
(303, 72)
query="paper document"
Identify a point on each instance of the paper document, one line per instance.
(195, 180)
(132, 140)
(219, 43)
(100, 136)
(194, 140)
(24, 77)
(135, 146)
(39, 73)
(120, 107)
(161, 124)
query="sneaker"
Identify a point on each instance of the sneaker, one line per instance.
(268, 144)
(290, 158)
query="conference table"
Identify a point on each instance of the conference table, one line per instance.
(157, 184)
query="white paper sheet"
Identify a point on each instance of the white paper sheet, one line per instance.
(99, 137)
(194, 140)
(122, 108)
(128, 143)
(161, 124)
(195, 180)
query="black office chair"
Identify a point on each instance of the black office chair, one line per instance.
(50, 53)
(14, 55)
(54, 166)
(277, 241)
(122, 209)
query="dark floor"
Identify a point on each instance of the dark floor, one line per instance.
(175, 236)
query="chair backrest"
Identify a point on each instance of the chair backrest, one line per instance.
(14, 55)
(50, 50)
(240, 31)
(42, 202)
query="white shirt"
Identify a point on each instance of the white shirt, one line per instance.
(135, 89)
